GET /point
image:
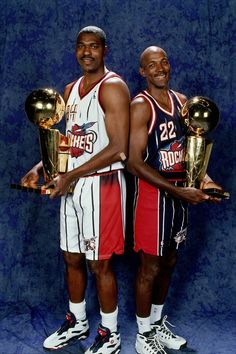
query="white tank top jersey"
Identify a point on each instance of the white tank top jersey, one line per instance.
(85, 124)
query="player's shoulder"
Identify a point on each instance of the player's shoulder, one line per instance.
(140, 100)
(68, 89)
(113, 86)
(113, 79)
(141, 107)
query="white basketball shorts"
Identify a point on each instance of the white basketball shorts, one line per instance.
(92, 219)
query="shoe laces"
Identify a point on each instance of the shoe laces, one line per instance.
(164, 329)
(155, 344)
(159, 346)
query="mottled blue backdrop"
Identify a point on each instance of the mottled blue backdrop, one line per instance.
(37, 41)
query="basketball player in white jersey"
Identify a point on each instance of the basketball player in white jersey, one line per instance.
(92, 219)
(160, 218)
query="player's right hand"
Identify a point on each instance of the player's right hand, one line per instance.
(193, 195)
(31, 178)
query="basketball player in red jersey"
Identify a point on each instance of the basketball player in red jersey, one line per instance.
(156, 157)
(92, 218)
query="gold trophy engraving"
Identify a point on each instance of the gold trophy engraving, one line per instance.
(45, 108)
(199, 116)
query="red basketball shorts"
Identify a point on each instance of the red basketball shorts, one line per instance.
(160, 221)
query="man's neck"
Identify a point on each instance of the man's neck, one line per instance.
(90, 78)
(158, 92)
(161, 95)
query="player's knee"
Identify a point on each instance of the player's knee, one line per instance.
(98, 268)
(169, 261)
(149, 272)
(149, 266)
(74, 260)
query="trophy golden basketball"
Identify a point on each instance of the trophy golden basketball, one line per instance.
(45, 108)
(199, 116)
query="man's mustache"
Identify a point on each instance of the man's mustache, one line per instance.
(87, 57)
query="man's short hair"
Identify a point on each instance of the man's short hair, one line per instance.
(95, 30)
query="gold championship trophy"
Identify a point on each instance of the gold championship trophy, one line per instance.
(199, 116)
(45, 107)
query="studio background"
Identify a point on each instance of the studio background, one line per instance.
(37, 43)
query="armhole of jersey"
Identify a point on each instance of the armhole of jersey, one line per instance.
(109, 75)
(71, 88)
(177, 97)
(153, 112)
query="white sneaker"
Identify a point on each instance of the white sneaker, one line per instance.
(166, 337)
(70, 330)
(148, 343)
(106, 342)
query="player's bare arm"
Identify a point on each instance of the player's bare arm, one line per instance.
(139, 118)
(31, 178)
(115, 101)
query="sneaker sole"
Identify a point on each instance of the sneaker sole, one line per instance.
(69, 341)
(116, 351)
(137, 349)
(182, 346)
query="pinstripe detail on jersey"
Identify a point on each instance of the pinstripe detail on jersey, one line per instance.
(69, 220)
(173, 216)
(66, 223)
(161, 232)
(89, 105)
(93, 208)
(123, 200)
(78, 227)
(82, 211)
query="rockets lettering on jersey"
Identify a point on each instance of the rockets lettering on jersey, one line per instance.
(171, 158)
(82, 139)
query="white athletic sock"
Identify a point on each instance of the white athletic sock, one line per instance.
(78, 309)
(156, 313)
(144, 324)
(109, 320)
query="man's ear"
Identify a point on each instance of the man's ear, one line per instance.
(105, 50)
(142, 71)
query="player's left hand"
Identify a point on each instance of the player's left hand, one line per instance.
(210, 185)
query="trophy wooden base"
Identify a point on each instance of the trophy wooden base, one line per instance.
(217, 193)
(38, 190)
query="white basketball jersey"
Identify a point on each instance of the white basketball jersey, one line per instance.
(85, 125)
